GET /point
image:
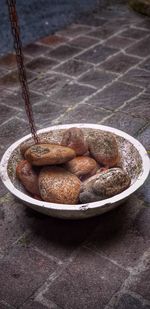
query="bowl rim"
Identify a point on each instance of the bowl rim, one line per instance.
(78, 207)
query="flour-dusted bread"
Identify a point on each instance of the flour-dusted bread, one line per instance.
(74, 138)
(103, 148)
(28, 177)
(59, 186)
(49, 154)
(104, 185)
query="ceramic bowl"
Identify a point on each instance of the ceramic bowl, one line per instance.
(134, 159)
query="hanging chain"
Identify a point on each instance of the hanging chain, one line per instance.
(20, 63)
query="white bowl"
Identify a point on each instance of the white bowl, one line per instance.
(134, 159)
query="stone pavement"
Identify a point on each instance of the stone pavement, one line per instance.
(96, 71)
(40, 18)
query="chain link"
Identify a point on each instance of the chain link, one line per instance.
(21, 68)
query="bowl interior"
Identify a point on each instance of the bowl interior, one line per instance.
(130, 158)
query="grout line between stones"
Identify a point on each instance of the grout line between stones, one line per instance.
(143, 128)
(48, 303)
(38, 294)
(5, 122)
(107, 258)
(130, 100)
(11, 107)
(98, 91)
(6, 249)
(51, 257)
(141, 266)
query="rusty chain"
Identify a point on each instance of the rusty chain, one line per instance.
(20, 63)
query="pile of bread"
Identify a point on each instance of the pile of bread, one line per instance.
(77, 170)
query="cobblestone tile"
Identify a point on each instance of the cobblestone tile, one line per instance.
(119, 238)
(137, 77)
(89, 282)
(114, 96)
(45, 112)
(127, 301)
(35, 98)
(84, 113)
(119, 63)
(3, 190)
(135, 107)
(145, 24)
(118, 12)
(72, 94)
(118, 42)
(125, 122)
(118, 15)
(50, 82)
(90, 20)
(148, 89)
(135, 17)
(12, 130)
(145, 64)
(13, 221)
(104, 32)
(144, 192)
(53, 40)
(5, 92)
(6, 113)
(97, 78)
(83, 41)
(73, 67)
(41, 64)
(11, 79)
(141, 284)
(134, 33)
(117, 221)
(118, 22)
(35, 50)
(4, 305)
(143, 137)
(34, 305)
(2, 150)
(141, 49)
(74, 30)
(141, 222)
(22, 271)
(9, 61)
(97, 54)
(3, 72)
(10, 98)
(63, 52)
(59, 238)
(15, 99)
